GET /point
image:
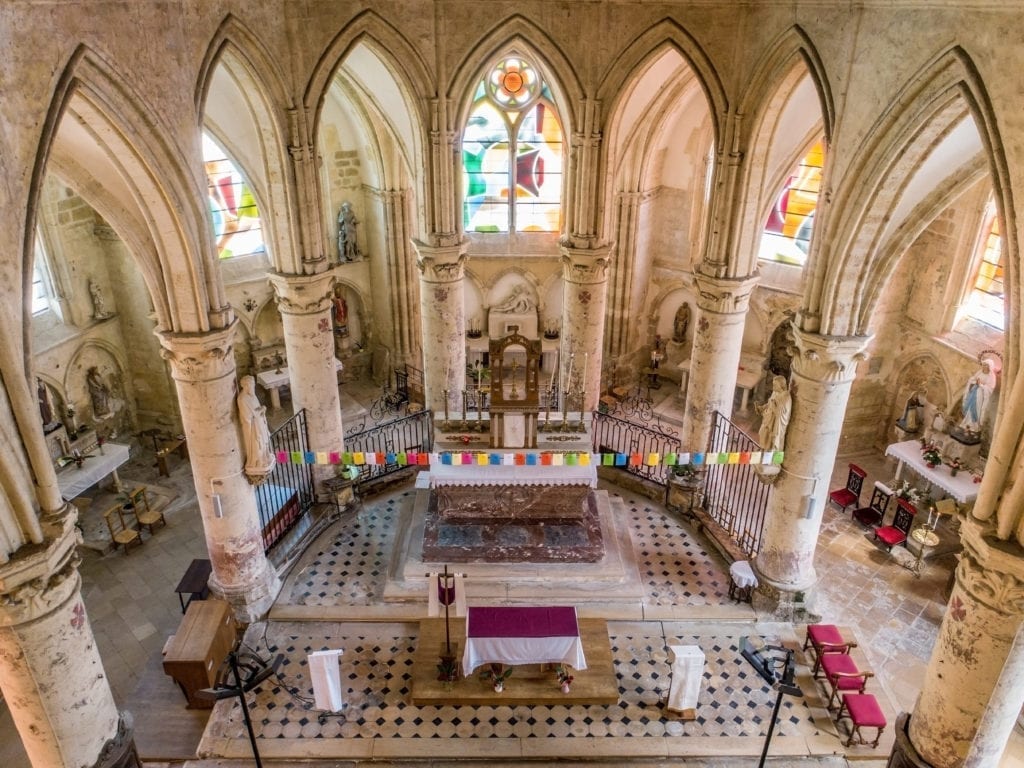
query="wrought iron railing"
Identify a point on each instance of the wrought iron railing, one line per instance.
(734, 496)
(288, 493)
(615, 434)
(414, 432)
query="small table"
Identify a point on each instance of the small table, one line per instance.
(961, 487)
(514, 635)
(194, 582)
(274, 379)
(746, 380)
(178, 444)
(925, 537)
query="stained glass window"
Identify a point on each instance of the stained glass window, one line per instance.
(236, 220)
(512, 141)
(986, 301)
(787, 232)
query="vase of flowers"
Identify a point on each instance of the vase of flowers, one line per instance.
(909, 493)
(564, 678)
(498, 674)
(955, 465)
(930, 454)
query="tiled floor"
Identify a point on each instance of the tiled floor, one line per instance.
(894, 615)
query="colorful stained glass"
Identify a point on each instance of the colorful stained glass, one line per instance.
(787, 232)
(236, 219)
(512, 141)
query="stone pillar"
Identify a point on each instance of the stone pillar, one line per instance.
(585, 280)
(304, 302)
(50, 670)
(973, 650)
(1003, 710)
(203, 369)
(823, 371)
(443, 315)
(715, 357)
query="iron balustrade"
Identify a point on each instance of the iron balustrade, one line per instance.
(612, 434)
(414, 432)
(734, 496)
(287, 493)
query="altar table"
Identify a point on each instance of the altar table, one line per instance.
(73, 480)
(273, 380)
(517, 635)
(962, 487)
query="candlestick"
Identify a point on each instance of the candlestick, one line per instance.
(583, 386)
(551, 383)
(446, 409)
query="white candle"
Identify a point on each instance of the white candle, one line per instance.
(552, 382)
(583, 386)
(568, 374)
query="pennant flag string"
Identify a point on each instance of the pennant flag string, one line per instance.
(546, 459)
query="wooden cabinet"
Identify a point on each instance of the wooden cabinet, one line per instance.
(204, 638)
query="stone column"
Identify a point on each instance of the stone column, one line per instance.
(304, 302)
(585, 280)
(823, 371)
(1003, 710)
(443, 316)
(982, 620)
(50, 670)
(203, 369)
(715, 356)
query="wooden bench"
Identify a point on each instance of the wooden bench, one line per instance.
(864, 712)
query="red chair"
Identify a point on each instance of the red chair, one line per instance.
(864, 712)
(897, 533)
(825, 638)
(850, 495)
(872, 514)
(843, 676)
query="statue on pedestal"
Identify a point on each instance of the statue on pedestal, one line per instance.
(348, 249)
(259, 458)
(974, 404)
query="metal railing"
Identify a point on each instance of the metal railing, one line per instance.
(288, 493)
(613, 434)
(734, 496)
(414, 432)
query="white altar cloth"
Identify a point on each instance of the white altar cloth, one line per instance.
(512, 474)
(962, 487)
(74, 480)
(519, 635)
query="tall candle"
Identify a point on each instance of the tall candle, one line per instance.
(583, 386)
(552, 382)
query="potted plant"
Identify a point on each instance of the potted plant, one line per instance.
(955, 465)
(687, 474)
(930, 454)
(498, 674)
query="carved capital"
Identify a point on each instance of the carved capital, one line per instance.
(585, 265)
(31, 586)
(828, 359)
(200, 356)
(724, 295)
(441, 263)
(990, 570)
(302, 294)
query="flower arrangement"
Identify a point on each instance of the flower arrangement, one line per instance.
(465, 439)
(497, 673)
(564, 678)
(955, 465)
(686, 472)
(930, 454)
(907, 492)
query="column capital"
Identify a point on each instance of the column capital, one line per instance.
(302, 294)
(444, 262)
(829, 359)
(32, 585)
(200, 356)
(724, 295)
(989, 570)
(584, 265)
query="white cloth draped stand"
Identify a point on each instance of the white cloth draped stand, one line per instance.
(325, 673)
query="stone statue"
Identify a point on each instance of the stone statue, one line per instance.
(976, 397)
(681, 323)
(348, 249)
(911, 420)
(99, 392)
(45, 402)
(775, 413)
(259, 458)
(340, 315)
(99, 304)
(518, 302)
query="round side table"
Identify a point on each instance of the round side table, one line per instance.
(925, 538)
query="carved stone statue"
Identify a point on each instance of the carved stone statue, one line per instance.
(46, 411)
(518, 302)
(775, 413)
(976, 398)
(99, 304)
(99, 392)
(348, 249)
(681, 323)
(259, 458)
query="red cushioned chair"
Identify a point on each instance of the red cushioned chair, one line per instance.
(872, 514)
(864, 712)
(842, 676)
(849, 496)
(897, 533)
(825, 638)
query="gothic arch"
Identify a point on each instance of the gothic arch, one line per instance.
(238, 63)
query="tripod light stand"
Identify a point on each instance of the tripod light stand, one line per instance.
(778, 671)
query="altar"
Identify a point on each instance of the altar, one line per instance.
(961, 487)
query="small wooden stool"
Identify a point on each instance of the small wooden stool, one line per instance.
(742, 581)
(864, 712)
(825, 638)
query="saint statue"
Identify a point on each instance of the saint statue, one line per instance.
(45, 402)
(259, 458)
(775, 413)
(99, 304)
(976, 397)
(99, 392)
(348, 249)
(340, 315)
(681, 323)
